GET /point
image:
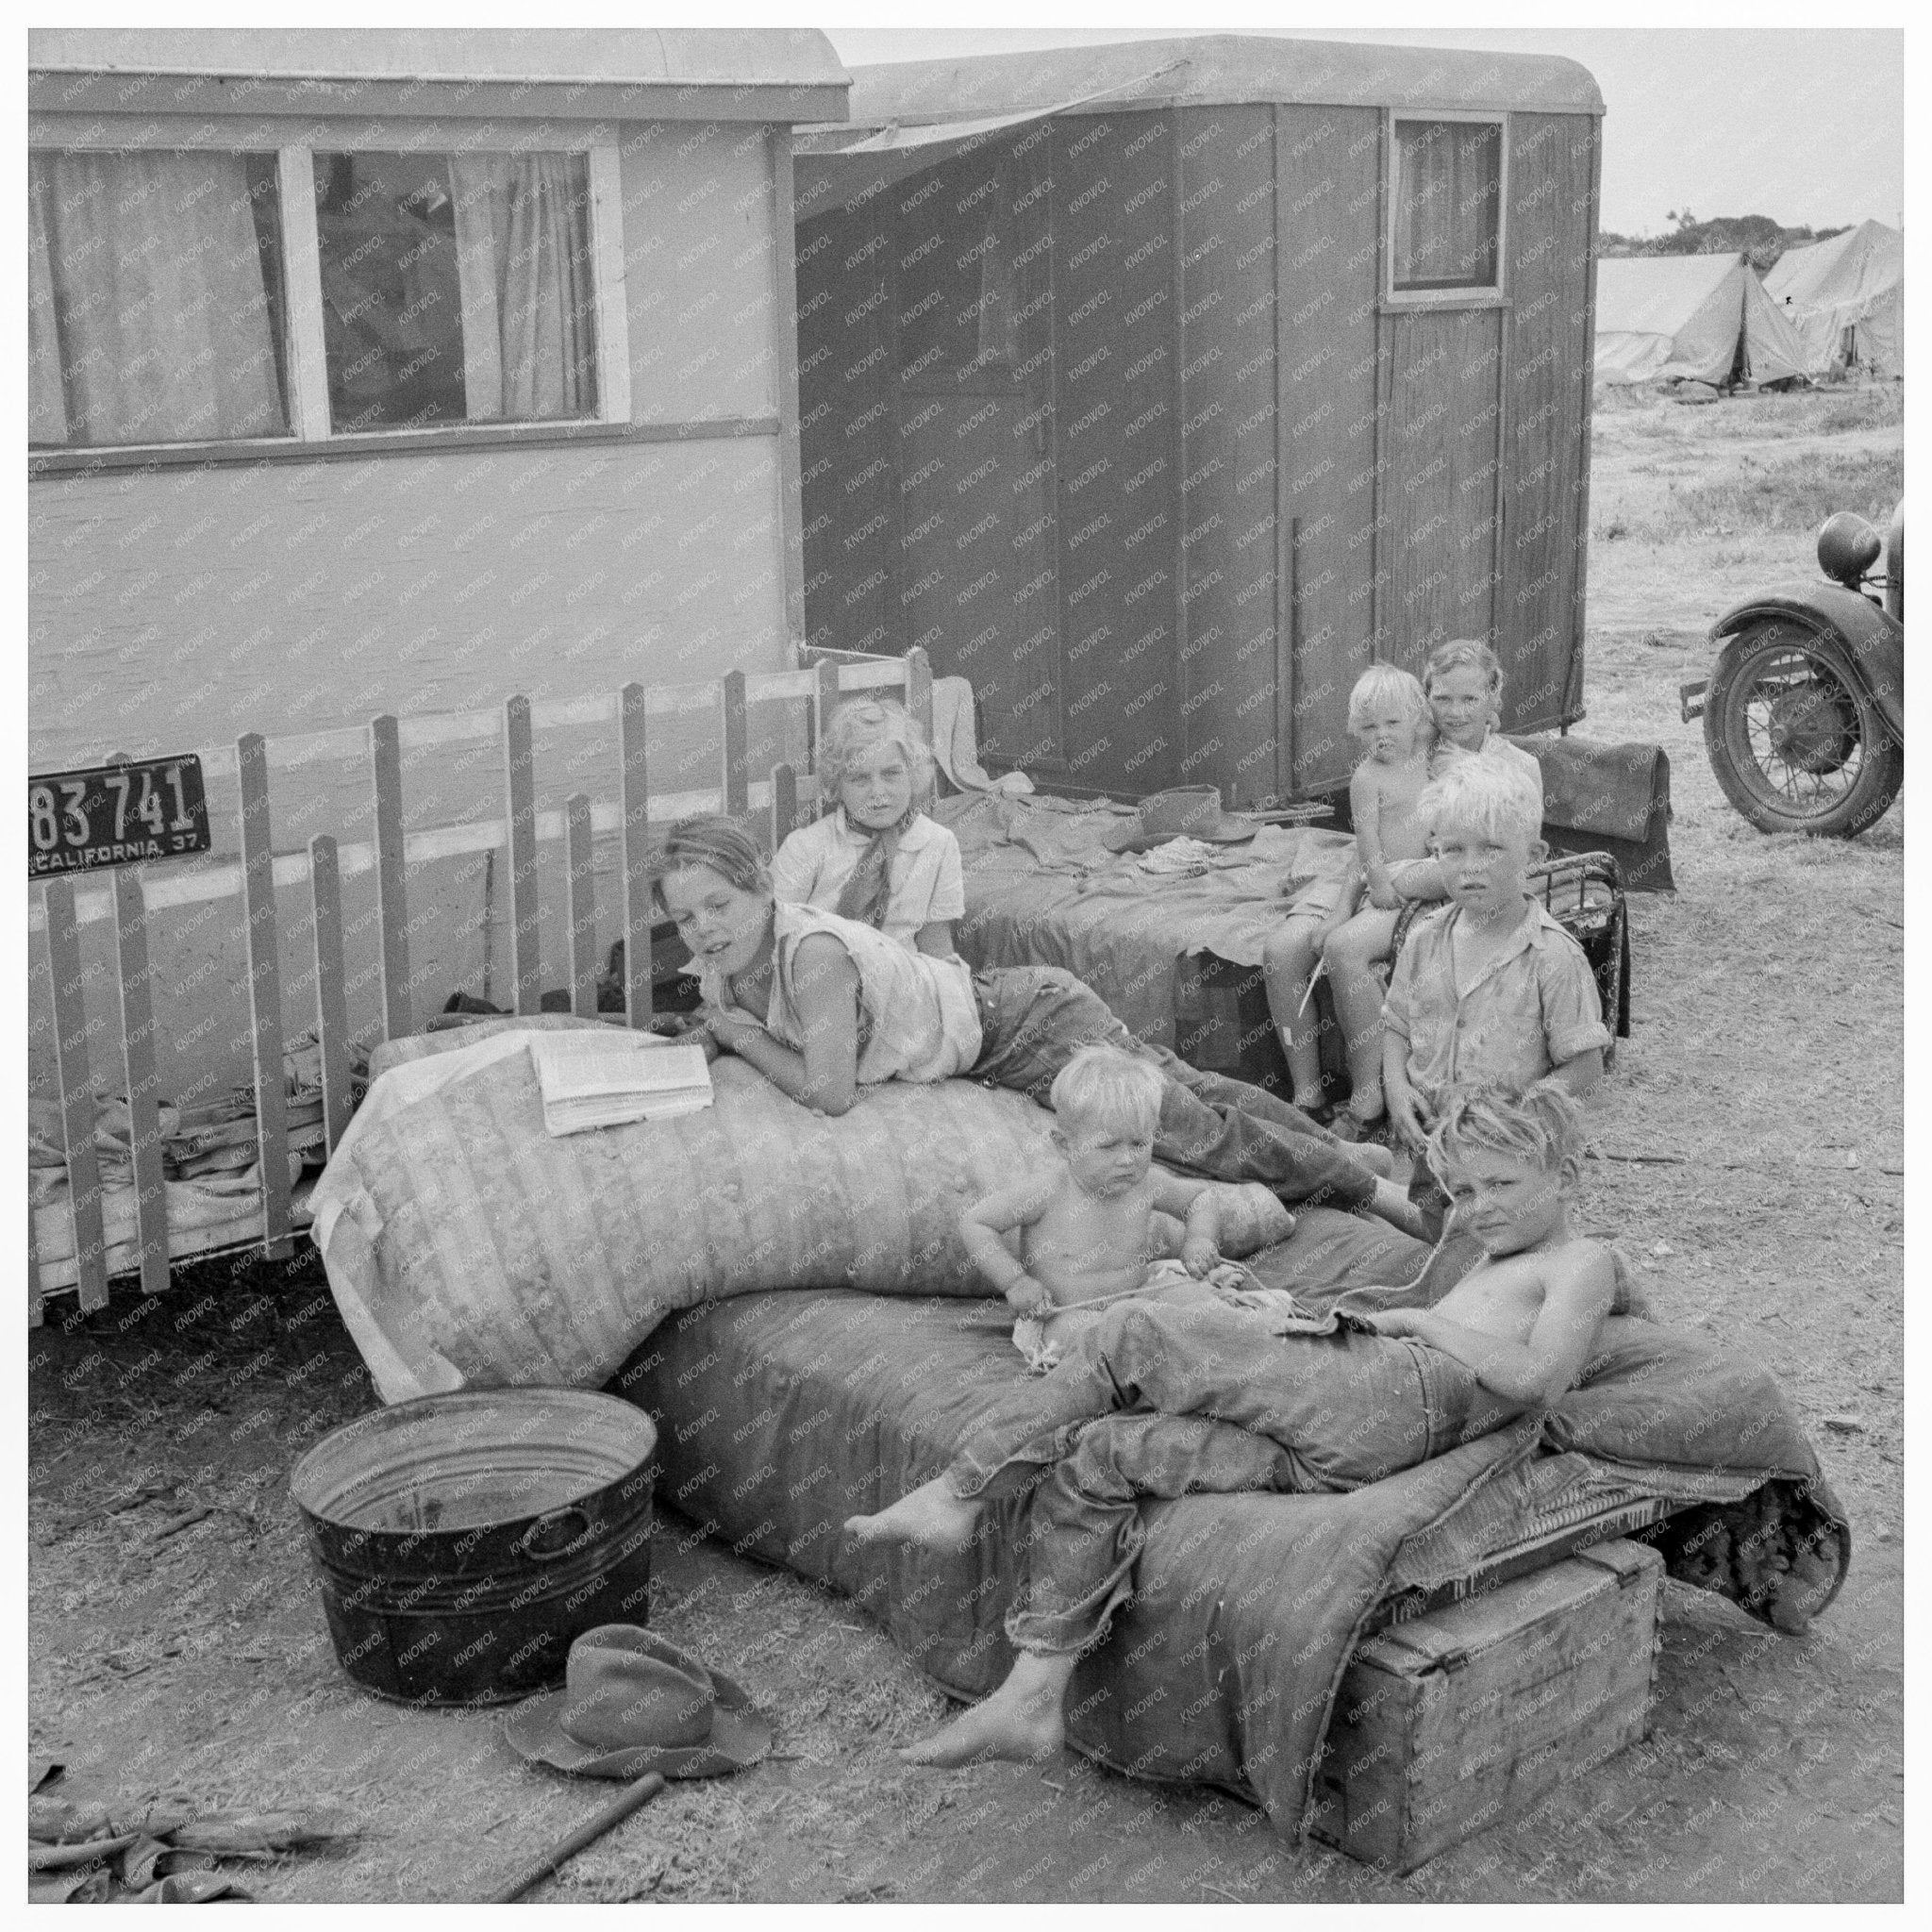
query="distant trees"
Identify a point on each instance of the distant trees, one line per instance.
(1757, 236)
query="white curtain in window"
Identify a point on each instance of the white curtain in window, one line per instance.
(1449, 177)
(148, 318)
(524, 269)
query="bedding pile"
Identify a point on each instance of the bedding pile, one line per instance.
(781, 1415)
(1041, 889)
(468, 1247)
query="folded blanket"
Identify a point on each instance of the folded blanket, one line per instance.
(1041, 889)
(468, 1247)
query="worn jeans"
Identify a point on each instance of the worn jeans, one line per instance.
(1035, 1019)
(1177, 1396)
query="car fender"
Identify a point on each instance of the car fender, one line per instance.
(1873, 643)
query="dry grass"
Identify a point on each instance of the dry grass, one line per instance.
(1825, 411)
(1783, 493)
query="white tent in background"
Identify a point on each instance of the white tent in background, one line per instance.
(1846, 299)
(1660, 317)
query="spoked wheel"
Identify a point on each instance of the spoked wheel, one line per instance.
(1794, 740)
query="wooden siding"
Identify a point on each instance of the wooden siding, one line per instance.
(1116, 384)
(1545, 475)
(848, 440)
(1228, 403)
(971, 259)
(1328, 260)
(1438, 511)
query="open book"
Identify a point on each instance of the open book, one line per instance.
(606, 1078)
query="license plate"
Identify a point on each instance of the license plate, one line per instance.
(115, 815)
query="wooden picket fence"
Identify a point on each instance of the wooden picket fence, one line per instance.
(134, 892)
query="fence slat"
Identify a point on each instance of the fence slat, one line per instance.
(76, 1094)
(919, 688)
(581, 906)
(784, 804)
(633, 800)
(331, 996)
(393, 918)
(520, 811)
(824, 701)
(731, 727)
(264, 995)
(143, 1081)
(34, 1316)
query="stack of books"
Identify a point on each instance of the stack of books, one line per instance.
(603, 1077)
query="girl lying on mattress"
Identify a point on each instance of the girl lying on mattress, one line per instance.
(824, 1005)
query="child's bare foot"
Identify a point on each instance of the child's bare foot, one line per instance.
(930, 1515)
(1022, 1719)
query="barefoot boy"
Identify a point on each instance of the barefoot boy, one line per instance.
(1491, 990)
(1254, 1408)
(1084, 1225)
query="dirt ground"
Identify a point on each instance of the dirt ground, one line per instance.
(1752, 1157)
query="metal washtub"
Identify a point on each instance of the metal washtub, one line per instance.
(461, 1542)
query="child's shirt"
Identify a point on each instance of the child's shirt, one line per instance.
(927, 882)
(917, 1019)
(1533, 1005)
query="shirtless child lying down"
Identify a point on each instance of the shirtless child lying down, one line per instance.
(1084, 1223)
(1200, 1393)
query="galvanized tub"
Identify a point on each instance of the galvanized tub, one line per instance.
(461, 1542)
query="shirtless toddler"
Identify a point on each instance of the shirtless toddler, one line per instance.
(1085, 1226)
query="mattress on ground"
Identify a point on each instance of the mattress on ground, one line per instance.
(782, 1414)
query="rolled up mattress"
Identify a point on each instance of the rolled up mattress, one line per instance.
(467, 1247)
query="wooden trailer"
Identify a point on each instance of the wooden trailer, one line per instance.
(1159, 389)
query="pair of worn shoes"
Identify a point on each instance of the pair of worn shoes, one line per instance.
(1346, 1124)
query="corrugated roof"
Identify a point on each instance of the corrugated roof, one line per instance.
(759, 56)
(1224, 69)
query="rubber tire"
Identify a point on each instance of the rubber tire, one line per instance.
(1725, 741)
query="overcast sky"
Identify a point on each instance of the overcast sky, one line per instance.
(1804, 125)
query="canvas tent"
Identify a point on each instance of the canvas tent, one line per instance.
(1845, 299)
(1664, 317)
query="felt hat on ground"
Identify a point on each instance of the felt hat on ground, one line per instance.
(1190, 812)
(633, 1702)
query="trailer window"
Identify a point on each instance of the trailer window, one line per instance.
(456, 288)
(155, 298)
(1447, 205)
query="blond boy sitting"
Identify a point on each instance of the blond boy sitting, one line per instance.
(1086, 1227)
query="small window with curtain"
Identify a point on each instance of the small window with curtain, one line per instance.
(456, 288)
(1447, 207)
(155, 298)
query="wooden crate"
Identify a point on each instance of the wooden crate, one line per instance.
(1462, 1718)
